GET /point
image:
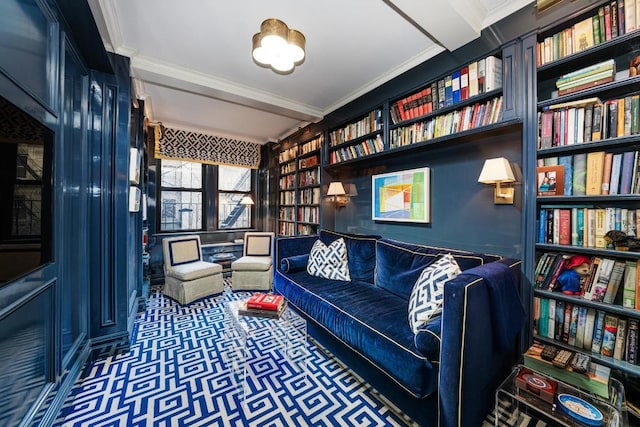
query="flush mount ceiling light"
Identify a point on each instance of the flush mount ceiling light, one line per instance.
(277, 46)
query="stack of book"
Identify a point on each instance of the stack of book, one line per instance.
(594, 75)
(263, 305)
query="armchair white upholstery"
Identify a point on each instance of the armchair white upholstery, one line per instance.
(254, 270)
(186, 276)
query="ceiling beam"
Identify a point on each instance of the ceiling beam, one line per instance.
(436, 18)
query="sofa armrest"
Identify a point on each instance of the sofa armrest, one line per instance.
(291, 246)
(474, 359)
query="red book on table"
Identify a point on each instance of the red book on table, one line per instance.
(265, 301)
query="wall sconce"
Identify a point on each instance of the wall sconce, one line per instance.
(337, 195)
(498, 171)
(246, 200)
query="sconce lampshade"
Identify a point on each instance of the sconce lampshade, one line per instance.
(246, 200)
(495, 171)
(336, 189)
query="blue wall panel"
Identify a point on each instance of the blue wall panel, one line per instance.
(463, 214)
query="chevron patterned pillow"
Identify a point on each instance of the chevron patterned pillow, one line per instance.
(428, 292)
(329, 262)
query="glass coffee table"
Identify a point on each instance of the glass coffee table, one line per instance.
(248, 337)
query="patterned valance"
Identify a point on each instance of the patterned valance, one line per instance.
(178, 144)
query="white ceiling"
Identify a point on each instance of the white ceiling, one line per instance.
(191, 59)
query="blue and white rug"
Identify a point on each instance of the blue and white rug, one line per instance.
(173, 375)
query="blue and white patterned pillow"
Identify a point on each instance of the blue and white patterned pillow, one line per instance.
(329, 262)
(428, 292)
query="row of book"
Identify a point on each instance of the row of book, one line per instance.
(585, 226)
(608, 280)
(288, 154)
(592, 174)
(370, 123)
(310, 146)
(469, 117)
(287, 197)
(287, 182)
(309, 162)
(588, 120)
(309, 214)
(473, 79)
(286, 228)
(364, 148)
(308, 177)
(587, 77)
(594, 331)
(287, 213)
(609, 21)
(309, 196)
(287, 168)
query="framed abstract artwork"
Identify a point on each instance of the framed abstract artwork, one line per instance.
(402, 196)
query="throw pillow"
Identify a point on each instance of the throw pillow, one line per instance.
(329, 262)
(428, 292)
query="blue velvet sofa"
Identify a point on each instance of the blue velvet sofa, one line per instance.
(446, 374)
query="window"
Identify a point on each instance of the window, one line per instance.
(197, 197)
(181, 196)
(234, 183)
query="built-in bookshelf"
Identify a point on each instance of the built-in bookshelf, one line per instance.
(460, 103)
(587, 184)
(300, 187)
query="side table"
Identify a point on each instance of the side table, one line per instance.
(286, 335)
(521, 401)
(223, 254)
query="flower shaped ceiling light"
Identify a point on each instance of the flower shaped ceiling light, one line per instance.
(277, 46)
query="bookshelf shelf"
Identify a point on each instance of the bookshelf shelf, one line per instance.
(585, 135)
(588, 251)
(603, 360)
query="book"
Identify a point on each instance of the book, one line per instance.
(598, 329)
(601, 282)
(631, 351)
(620, 344)
(606, 173)
(588, 328)
(579, 174)
(616, 167)
(629, 285)
(243, 310)
(264, 301)
(582, 320)
(609, 335)
(573, 325)
(492, 73)
(615, 279)
(595, 166)
(583, 35)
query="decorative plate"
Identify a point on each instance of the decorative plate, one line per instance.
(581, 410)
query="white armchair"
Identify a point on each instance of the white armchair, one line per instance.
(186, 276)
(254, 270)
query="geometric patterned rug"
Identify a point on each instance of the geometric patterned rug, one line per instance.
(172, 375)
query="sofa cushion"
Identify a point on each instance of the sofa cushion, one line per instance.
(371, 321)
(428, 292)
(329, 262)
(294, 263)
(252, 263)
(194, 270)
(361, 253)
(398, 267)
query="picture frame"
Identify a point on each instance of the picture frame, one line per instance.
(134, 199)
(134, 166)
(550, 180)
(402, 196)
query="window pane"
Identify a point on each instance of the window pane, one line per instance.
(231, 214)
(181, 210)
(232, 178)
(179, 174)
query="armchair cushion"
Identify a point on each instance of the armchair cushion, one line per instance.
(194, 270)
(258, 244)
(183, 251)
(251, 263)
